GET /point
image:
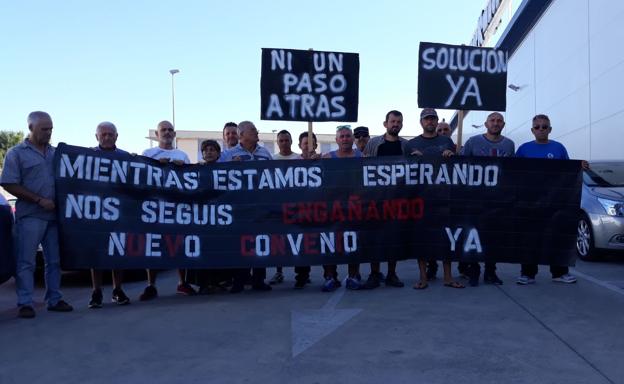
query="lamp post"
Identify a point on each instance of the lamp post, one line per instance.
(173, 72)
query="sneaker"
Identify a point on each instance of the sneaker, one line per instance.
(525, 280)
(393, 281)
(492, 279)
(567, 279)
(278, 278)
(149, 293)
(96, 299)
(261, 287)
(60, 306)
(352, 283)
(330, 284)
(373, 281)
(119, 297)
(186, 290)
(26, 312)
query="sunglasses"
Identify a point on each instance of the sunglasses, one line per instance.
(360, 136)
(541, 126)
(338, 128)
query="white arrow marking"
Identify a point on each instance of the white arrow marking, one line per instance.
(310, 326)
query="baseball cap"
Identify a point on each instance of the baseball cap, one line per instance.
(427, 112)
(360, 131)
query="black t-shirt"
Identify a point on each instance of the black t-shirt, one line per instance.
(430, 145)
(390, 148)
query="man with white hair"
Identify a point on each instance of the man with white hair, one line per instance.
(106, 135)
(248, 149)
(28, 174)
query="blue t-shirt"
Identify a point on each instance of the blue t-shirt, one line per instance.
(551, 150)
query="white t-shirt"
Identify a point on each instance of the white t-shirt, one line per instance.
(292, 156)
(157, 153)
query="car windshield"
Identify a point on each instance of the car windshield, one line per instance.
(605, 175)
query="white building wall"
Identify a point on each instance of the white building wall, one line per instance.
(570, 67)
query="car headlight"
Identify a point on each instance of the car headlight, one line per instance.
(613, 208)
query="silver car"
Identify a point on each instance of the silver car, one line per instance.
(601, 226)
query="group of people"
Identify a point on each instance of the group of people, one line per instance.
(28, 174)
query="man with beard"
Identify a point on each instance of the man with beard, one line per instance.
(493, 144)
(430, 143)
(388, 144)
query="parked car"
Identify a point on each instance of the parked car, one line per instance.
(601, 225)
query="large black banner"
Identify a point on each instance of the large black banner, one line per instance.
(462, 77)
(301, 85)
(126, 211)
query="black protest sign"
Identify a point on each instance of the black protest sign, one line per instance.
(122, 211)
(462, 77)
(301, 85)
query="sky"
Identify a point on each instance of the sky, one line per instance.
(85, 62)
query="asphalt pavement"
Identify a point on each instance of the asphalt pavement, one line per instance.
(543, 333)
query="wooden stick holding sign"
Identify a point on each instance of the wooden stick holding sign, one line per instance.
(460, 128)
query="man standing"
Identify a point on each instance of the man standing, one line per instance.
(388, 144)
(165, 153)
(430, 143)
(493, 144)
(543, 148)
(362, 137)
(444, 129)
(106, 135)
(248, 150)
(230, 135)
(28, 174)
(344, 139)
(284, 143)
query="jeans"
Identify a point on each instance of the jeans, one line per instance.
(29, 233)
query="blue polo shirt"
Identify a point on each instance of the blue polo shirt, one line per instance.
(551, 150)
(26, 166)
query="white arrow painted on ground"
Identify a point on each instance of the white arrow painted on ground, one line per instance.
(310, 326)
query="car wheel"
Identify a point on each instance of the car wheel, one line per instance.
(585, 240)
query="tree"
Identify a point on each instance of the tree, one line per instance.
(8, 139)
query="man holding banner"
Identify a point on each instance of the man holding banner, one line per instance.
(543, 148)
(248, 149)
(165, 153)
(388, 144)
(430, 143)
(493, 144)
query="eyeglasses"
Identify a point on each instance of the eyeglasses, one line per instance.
(338, 128)
(541, 126)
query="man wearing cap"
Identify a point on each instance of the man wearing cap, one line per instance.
(430, 143)
(361, 137)
(493, 144)
(388, 144)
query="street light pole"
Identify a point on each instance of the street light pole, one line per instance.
(173, 72)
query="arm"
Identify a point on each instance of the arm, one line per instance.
(21, 192)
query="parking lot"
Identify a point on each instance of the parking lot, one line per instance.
(542, 333)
